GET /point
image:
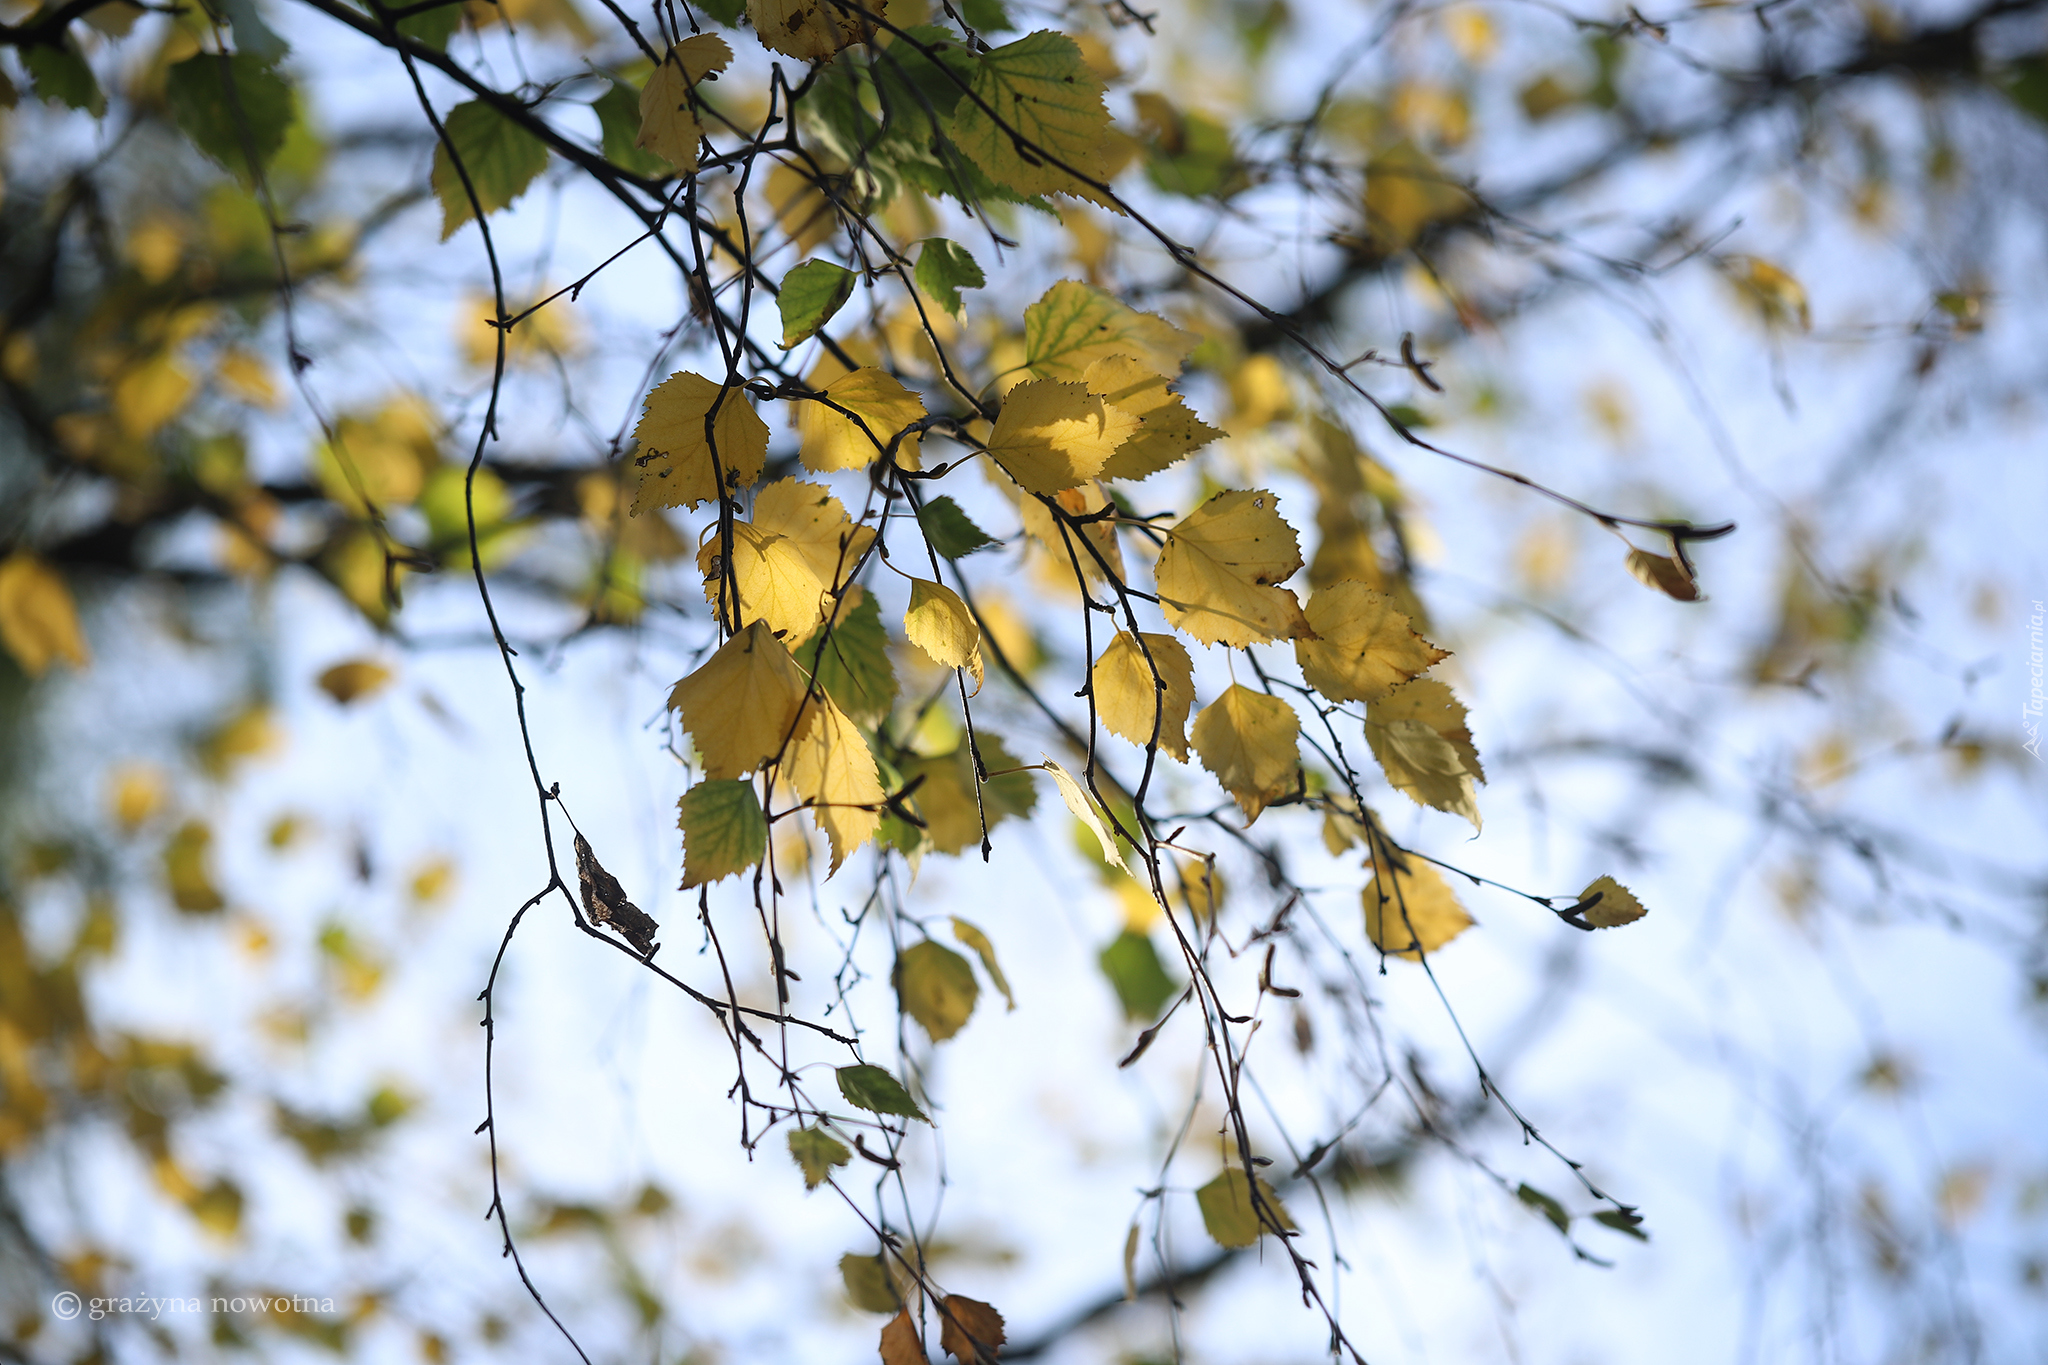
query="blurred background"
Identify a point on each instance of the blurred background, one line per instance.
(266, 814)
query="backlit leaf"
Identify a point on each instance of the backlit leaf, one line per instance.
(849, 658)
(724, 831)
(1251, 742)
(1036, 120)
(38, 620)
(875, 1090)
(1052, 435)
(1084, 809)
(809, 30)
(870, 1285)
(1218, 572)
(986, 951)
(773, 579)
(1412, 910)
(741, 705)
(1130, 702)
(811, 294)
(60, 72)
(501, 158)
(188, 868)
(1363, 646)
(1167, 431)
(678, 465)
(944, 269)
(832, 440)
(817, 1152)
(937, 988)
(1132, 964)
(669, 126)
(1073, 325)
(815, 522)
(1418, 734)
(234, 108)
(354, 679)
(1617, 905)
(1665, 574)
(969, 1329)
(954, 804)
(1229, 1214)
(939, 623)
(951, 533)
(831, 766)
(1780, 297)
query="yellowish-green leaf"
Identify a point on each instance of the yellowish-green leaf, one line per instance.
(1252, 743)
(832, 440)
(810, 295)
(1418, 734)
(939, 623)
(1052, 435)
(1617, 905)
(1409, 913)
(1083, 806)
(38, 619)
(937, 988)
(188, 868)
(1035, 121)
(944, 269)
(1073, 325)
(1218, 572)
(848, 656)
(1129, 700)
(1406, 191)
(354, 679)
(869, 1285)
(1544, 1204)
(774, 580)
(817, 1152)
(986, 951)
(742, 705)
(1229, 1214)
(875, 1090)
(678, 464)
(1131, 962)
(952, 801)
(724, 831)
(1363, 647)
(831, 767)
(669, 126)
(1665, 574)
(1167, 432)
(809, 30)
(501, 158)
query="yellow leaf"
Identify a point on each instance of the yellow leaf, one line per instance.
(38, 620)
(1665, 574)
(248, 378)
(135, 792)
(1083, 807)
(668, 126)
(937, 988)
(1081, 501)
(809, 30)
(150, 394)
(1363, 647)
(830, 765)
(1412, 910)
(1252, 743)
(677, 462)
(1167, 431)
(939, 623)
(807, 513)
(1073, 325)
(742, 706)
(1053, 435)
(354, 679)
(1406, 191)
(1781, 298)
(188, 868)
(1229, 1215)
(1218, 572)
(969, 1329)
(1418, 734)
(832, 440)
(1617, 906)
(775, 582)
(801, 208)
(1130, 702)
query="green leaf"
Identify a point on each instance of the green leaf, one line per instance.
(2026, 85)
(875, 1090)
(501, 157)
(869, 1285)
(937, 988)
(854, 667)
(1073, 325)
(252, 36)
(1132, 965)
(61, 74)
(986, 951)
(817, 1152)
(1623, 1220)
(946, 799)
(986, 16)
(724, 831)
(234, 108)
(949, 530)
(811, 294)
(944, 269)
(726, 12)
(1036, 104)
(1545, 1205)
(618, 121)
(1227, 1210)
(433, 27)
